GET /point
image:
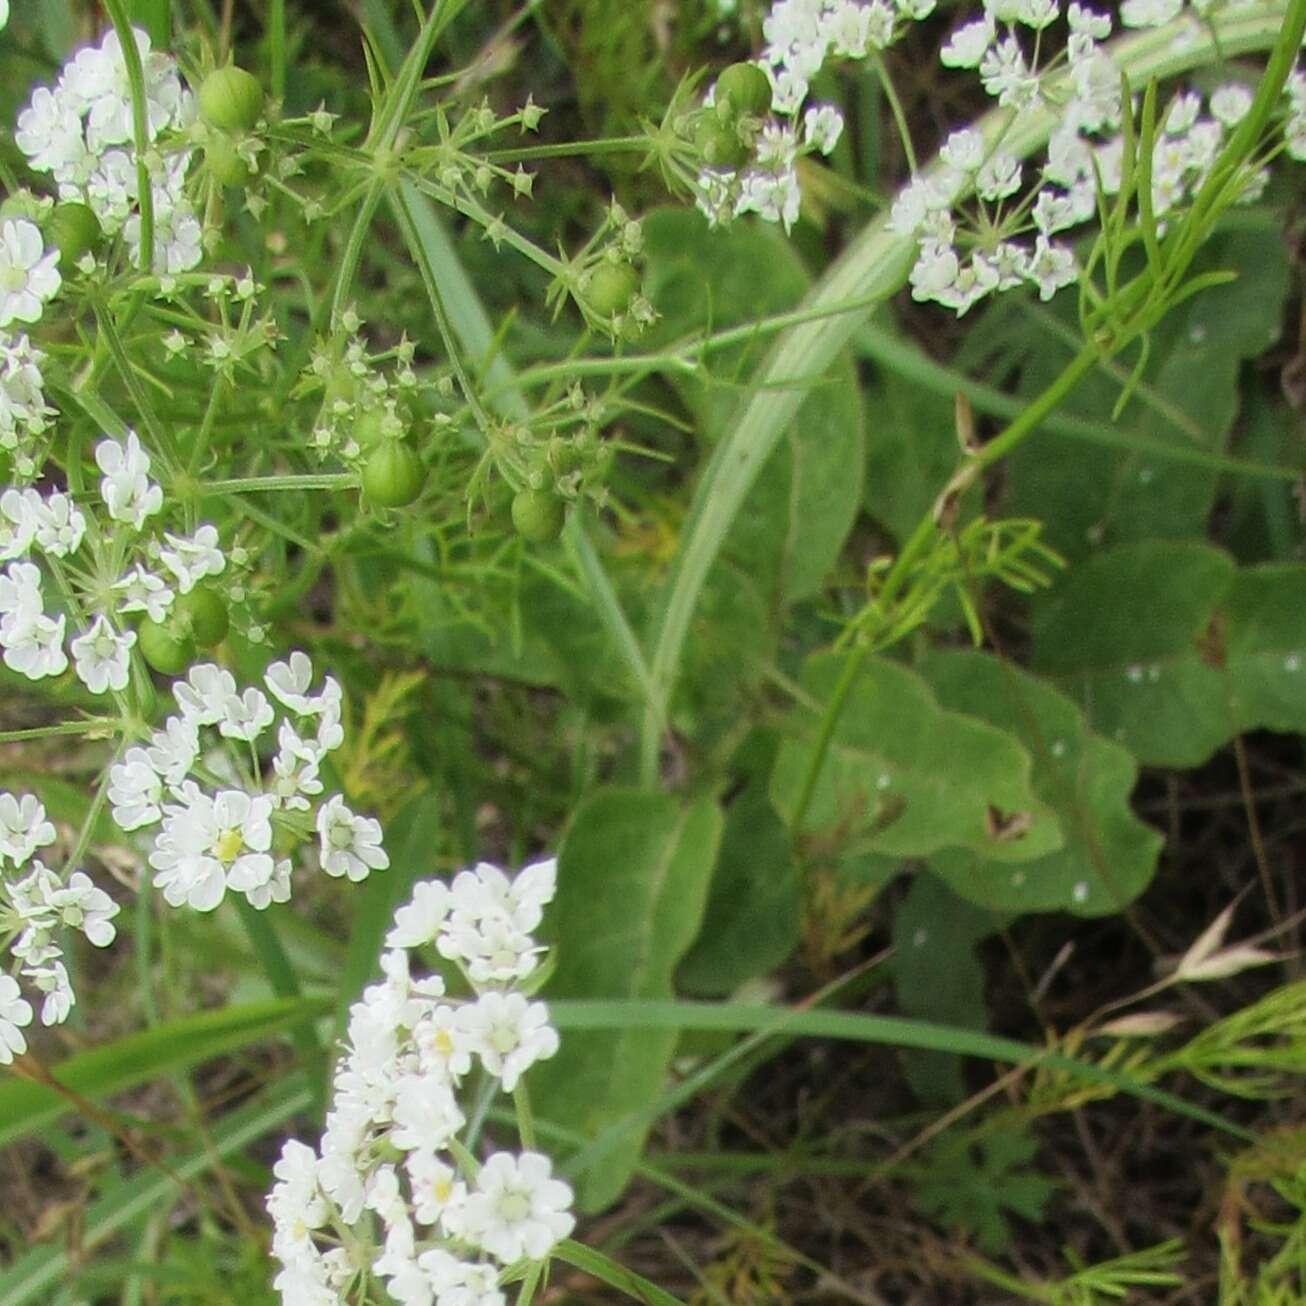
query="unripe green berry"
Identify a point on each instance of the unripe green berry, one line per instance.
(225, 161)
(164, 647)
(75, 230)
(742, 88)
(538, 515)
(610, 287)
(369, 427)
(203, 615)
(231, 99)
(393, 476)
(719, 143)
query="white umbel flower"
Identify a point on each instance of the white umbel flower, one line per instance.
(517, 1208)
(350, 845)
(126, 489)
(29, 276)
(102, 657)
(23, 828)
(509, 1034)
(15, 1015)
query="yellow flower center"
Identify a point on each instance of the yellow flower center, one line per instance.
(227, 847)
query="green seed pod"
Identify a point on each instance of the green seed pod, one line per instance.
(393, 476)
(225, 161)
(75, 231)
(719, 143)
(231, 99)
(610, 287)
(164, 647)
(203, 614)
(538, 515)
(742, 88)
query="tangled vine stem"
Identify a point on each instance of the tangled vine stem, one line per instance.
(870, 270)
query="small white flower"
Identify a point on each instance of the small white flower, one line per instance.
(102, 657)
(174, 749)
(1050, 267)
(436, 1186)
(963, 150)
(23, 828)
(426, 1113)
(288, 682)
(969, 44)
(52, 980)
(205, 694)
(143, 591)
(135, 791)
(17, 522)
(34, 646)
(461, 1283)
(59, 524)
(1230, 103)
(822, 127)
(84, 906)
(191, 560)
(999, 178)
(15, 1014)
(29, 276)
(419, 920)
(246, 716)
(1084, 22)
(509, 1034)
(516, 1209)
(350, 845)
(126, 489)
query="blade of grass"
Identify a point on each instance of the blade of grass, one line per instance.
(858, 1027)
(26, 1106)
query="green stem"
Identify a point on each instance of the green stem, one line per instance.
(95, 726)
(293, 481)
(525, 1117)
(917, 544)
(159, 435)
(118, 16)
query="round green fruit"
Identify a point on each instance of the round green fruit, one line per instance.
(75, 231)
(393, 476)
(225, 161)
(369, 427)
(742, 88)
(719, 143)
(538, 515)
(610, 288)
(204, 615)
(164, 647)
(231, 99)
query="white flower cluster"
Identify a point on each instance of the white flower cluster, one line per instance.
(81, 132)
(965, 256)
(32, 909)
(54, 526)
(24, 414)
(215, 807)
(449, 1226)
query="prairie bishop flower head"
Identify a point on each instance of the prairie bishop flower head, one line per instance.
(126, 489)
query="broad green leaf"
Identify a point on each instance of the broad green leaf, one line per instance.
(905, 778)
(1134, 603)
(911, 452)
(938, 977)
(1109, 855)
(1089, 495)
(26, 1106)
(633, 875)
(1233, 657)
(751, 923)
